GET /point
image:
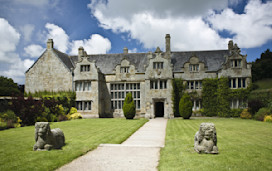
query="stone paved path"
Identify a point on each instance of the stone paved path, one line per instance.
(141, 151)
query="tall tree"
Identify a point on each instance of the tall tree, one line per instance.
(262, 67)
(8, 87)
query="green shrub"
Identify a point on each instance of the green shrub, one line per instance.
(185, 106)
(10, 120)
(74, 116)
(41, 119)
(73, 110)
(245, 114)
(129, 107)
(235, 112)
(268, 118)
(261, 114)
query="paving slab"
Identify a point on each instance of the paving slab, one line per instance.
(141, 151)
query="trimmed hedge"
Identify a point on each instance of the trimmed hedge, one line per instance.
(129, 107)
(185, 106)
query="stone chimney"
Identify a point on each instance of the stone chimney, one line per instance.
(125, 50)
(80, 52)
(50, 44)
(230, 45)
(167, 43)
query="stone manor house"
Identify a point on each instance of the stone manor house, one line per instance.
(102, 81)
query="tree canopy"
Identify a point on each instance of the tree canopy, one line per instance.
(262, 67)
(8, 87)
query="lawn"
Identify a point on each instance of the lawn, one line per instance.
(243, 145)
(81, 136)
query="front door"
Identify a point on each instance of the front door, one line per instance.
(159, 109)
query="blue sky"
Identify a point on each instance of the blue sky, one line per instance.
(107, 26)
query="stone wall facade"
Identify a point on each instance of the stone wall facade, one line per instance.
(101, 82)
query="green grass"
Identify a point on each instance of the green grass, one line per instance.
(243, 145)
(264, 84)
(81, 136)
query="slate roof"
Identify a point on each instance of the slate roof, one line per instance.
(65, 59)
(213, 60)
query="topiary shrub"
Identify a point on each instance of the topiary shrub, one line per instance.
(129, 107)
(185, 106)
(254, 105)
(259, 116)
(245, 114)
(268, 118)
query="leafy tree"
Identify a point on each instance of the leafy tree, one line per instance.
(8, 87)
(185, 106)
(129, 107)
(262, 67)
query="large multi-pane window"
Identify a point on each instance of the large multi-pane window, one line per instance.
(237, 82)
(238, 103)
(119, 91)
(84, 105)
(194, 67)
(84, 68)
(194, 85)
(83, 85)
(158, 84)
(157, 65)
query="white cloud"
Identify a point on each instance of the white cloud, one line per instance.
(134, 50)
(33, 50)
(149, 26)
(27, 31)
(9, 39)
(61, 39)
(95, 45)
(159, 8)
(12, 65)
(251, 29)
(186, 21)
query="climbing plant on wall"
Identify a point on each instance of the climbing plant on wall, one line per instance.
(223, 91)
(178, 88)
(209, 96)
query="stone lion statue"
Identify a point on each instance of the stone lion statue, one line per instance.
(47, 139)
(206, 139)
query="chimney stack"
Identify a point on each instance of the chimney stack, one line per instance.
(167, 43)
(125, 50)
(50, 44)
(80, 52)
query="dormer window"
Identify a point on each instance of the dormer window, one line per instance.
(124, 69)
(236, 63)
(157, 65)
(194, 67)
(84, 68)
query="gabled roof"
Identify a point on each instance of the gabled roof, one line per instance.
(107, 62)
(212, 59)
(65, 59)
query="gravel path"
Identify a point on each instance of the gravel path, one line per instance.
(141, 151)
